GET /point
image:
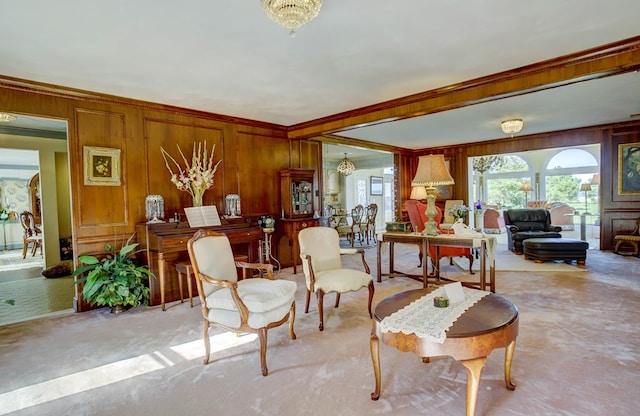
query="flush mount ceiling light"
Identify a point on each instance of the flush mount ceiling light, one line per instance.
(512, 126)
(345, 167)
(6, 118)
(291, 14)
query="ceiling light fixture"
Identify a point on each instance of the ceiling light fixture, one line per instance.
(345, 167)
(512, 126)
(6, 118)
(291, 14)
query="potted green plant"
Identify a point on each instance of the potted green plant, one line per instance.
(115, 280)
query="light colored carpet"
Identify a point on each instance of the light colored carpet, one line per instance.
(12, 260)
(508, 261)
(36, 297)
(578, 353)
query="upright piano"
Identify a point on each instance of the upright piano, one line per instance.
(166, 243)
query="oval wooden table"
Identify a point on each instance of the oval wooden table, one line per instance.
(489, 324)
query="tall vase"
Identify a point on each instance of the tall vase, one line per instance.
(197, 198)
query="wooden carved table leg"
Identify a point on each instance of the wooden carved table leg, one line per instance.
(474, 368)
(508, 359)
(374, 345)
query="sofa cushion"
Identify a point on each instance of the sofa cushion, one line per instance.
(525, 235)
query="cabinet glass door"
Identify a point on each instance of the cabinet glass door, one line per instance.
(301, 198)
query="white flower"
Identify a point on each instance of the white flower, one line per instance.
(197, 177)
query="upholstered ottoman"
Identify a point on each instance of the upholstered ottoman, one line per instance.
(567, 249)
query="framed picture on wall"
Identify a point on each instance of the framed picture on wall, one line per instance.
(445, 191)
(629, 169)
(101, 166)
(376, 185)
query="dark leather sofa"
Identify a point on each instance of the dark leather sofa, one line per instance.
(528, 223)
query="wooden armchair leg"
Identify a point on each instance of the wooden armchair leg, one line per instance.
(320, 296)
(262, 335)
(306, 306)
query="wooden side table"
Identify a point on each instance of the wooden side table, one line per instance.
(489, 324)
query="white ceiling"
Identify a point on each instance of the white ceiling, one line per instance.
(227, 57)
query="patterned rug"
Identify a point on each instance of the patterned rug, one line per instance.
(12, 260)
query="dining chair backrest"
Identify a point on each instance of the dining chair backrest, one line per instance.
(372, 212)
(28, 223)
(357, 214)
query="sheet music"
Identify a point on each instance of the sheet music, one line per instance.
(202, 216)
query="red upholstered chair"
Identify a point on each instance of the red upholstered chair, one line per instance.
(418, 217)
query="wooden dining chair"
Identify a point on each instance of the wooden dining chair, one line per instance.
(32, 235)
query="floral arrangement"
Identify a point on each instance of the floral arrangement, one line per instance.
(196, 177)
(458, 211)
(4, 215)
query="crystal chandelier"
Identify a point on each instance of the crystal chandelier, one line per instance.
(485, 163)
(291, 14)
(345, 167)
(512, 126)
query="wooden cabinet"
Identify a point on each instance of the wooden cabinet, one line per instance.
(297, 193)
(286, 237)
(297, 202)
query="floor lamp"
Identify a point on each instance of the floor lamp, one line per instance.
(432, 171)
(585, 187)
(526, 188)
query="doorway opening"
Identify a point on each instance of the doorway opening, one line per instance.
(372, 182)
(34, 178)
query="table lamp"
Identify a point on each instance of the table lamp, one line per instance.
(432, 171)
(585, 187)
(419, 193)
(526, 188)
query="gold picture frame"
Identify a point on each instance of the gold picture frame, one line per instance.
(629, 169)
(101, 166)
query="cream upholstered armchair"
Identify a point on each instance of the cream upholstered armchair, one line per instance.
(448, 220)
(249, 305)
(320, 253)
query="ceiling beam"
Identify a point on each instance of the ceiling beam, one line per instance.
(608, 60)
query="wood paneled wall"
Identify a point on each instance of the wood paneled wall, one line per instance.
(252, 154)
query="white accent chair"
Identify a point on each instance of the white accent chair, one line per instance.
(320, 253)
(248, 305)
(447, 219)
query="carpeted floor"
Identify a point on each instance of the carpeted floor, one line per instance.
(578, 353)
(508, 261)
(12, 260)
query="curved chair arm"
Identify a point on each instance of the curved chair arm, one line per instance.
(357, 251)
(257, 266)
(312, 276)
(553, 228)
(233, 288)
(513, 228)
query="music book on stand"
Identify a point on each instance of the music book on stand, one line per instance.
(202, 216)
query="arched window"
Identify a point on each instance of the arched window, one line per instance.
(571, 158)
(566, 174)
(505, 179)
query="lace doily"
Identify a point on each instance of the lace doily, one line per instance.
(420, 317)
